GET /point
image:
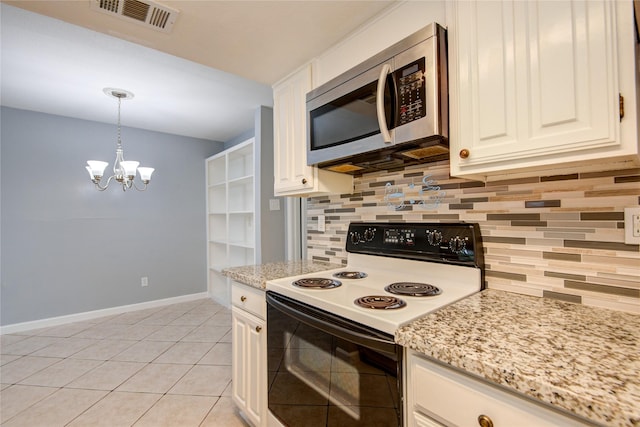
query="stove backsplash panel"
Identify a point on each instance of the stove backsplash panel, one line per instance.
(556, 236)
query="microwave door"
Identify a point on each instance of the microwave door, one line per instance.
(345, 121)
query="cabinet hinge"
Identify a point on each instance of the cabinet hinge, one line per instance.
(621, 106)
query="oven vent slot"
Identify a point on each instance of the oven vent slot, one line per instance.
(148, 13)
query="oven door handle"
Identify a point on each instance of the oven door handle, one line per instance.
(382, 117)
(332, 324)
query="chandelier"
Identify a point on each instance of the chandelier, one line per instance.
(123, 171)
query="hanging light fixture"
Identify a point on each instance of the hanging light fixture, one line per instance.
(123, 171)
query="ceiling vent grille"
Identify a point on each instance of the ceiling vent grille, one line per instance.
(148, 13)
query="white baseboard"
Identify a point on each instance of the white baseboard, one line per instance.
(88, 315)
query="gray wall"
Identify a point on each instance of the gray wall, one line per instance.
(271, 222)
(67, 248)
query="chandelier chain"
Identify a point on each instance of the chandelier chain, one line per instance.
(119, 133)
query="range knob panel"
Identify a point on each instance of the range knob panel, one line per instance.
(355, 238)
(363, 236)
(438, 242)
(457, 244)
(434, 237)
(369, 233)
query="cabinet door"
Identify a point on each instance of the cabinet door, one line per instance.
(292, 175)
(531, 82)
(290, 146)
(249, 372)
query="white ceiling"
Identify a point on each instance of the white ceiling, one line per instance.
(204, 79)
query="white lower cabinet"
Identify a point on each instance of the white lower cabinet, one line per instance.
(249, 352)
(439, 396)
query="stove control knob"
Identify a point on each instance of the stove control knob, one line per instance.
(368, 234)
(434, 237)
(355, 238)
(457, 244)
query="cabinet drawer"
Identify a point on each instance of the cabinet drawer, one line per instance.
(452, 398)
(249, 299)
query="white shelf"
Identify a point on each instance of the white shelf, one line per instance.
(231, 229)
(242, 244)
(217, 199)
(246, 179)
(221, 185)
(240, 162)
(217, 227)
(241, 195)
(241, 229)
(218, 255)
(216, 170)
(221, 285)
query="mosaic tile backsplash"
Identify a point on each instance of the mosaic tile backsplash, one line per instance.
(558, 236)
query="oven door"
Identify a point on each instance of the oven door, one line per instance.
(325, 370)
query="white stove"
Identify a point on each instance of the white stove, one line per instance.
(330, 357)
(445, 256)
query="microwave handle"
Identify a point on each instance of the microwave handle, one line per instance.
(382, 119)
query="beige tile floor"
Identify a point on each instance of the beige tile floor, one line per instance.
(166, 366)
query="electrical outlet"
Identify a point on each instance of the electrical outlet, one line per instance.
(144, 281)
(632, 226)
(321, 224)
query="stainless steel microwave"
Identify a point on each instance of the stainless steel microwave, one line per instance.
(389, 111)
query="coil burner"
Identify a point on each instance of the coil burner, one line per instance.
(380, 302)
(350, 275)
(317, 283)
(413, 289)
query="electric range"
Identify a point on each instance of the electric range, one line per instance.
(332, 355)
(445, 256)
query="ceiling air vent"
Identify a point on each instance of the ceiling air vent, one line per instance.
(148, 13)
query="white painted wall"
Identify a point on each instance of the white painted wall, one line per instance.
(394, 25)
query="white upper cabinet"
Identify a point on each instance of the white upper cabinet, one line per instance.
(293, 177)
(536, 84)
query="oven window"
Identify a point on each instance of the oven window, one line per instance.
(317, 379)
(349, 118)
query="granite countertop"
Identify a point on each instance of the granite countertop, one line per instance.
(582, 359)
(258, 275)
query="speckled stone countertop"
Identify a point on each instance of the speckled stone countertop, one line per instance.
(257, 275)
(583, 359)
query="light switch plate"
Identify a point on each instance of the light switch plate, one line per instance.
(274, 204)
(632, 226)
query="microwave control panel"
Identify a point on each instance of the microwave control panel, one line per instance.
(410, 88)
